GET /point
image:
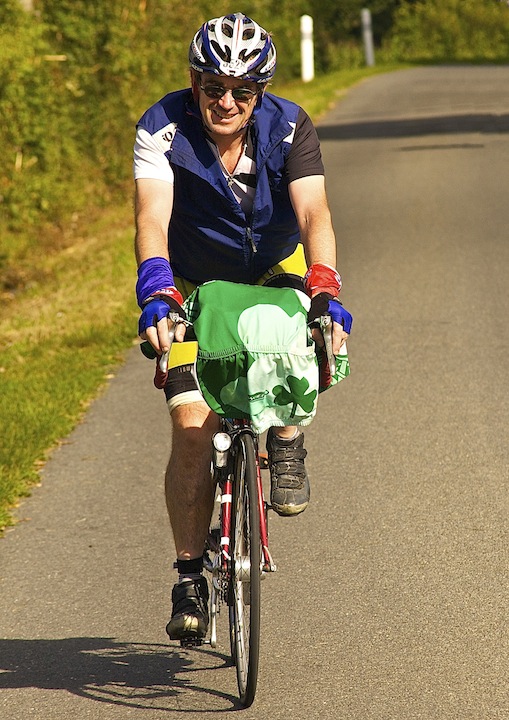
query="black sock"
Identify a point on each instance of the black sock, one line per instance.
(190, 569)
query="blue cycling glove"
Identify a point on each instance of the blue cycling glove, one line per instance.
(323, 304)
(156, 293)
(157, 309)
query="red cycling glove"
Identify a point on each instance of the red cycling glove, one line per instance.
(321, 278)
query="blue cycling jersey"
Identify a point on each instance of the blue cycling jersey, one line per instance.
(210, 237)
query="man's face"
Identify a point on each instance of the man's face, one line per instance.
(227, 115)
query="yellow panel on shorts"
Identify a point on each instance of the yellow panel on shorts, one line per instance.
(295, 264)
(183, 353)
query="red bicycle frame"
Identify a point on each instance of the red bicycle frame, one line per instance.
(226, 511)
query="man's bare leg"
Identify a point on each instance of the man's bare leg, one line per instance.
(286, 432)
(190, 500)
(189, 488)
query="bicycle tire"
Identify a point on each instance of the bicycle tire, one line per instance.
(245, 549)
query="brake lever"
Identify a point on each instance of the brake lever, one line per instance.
(173, 320)
(326, 330)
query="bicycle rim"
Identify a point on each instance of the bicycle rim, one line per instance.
(246, 575)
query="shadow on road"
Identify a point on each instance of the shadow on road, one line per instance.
(410, 127)
(133, 675)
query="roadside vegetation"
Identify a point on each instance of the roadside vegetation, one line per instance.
(444, 31)
(75, 76)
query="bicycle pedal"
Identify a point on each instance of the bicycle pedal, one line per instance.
(263, 460)
(191, 642)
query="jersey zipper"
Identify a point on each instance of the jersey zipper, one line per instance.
(249, 235)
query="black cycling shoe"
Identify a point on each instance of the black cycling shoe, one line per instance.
(190, 616)
(289, 483)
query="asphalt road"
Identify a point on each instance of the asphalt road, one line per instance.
(391, 598)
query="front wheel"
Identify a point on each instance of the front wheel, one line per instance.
(245, 548)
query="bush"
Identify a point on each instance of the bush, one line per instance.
(451, 30)
(35, 143)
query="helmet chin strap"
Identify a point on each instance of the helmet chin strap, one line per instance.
(195, 88)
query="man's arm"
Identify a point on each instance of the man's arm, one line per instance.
(311, 208)
(153, 207)
(310, 205)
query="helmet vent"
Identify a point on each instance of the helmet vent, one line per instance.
(223, 52)
(227, 29)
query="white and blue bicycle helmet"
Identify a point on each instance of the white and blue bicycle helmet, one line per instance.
(236, 46)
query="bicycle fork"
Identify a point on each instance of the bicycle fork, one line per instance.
(220, 462)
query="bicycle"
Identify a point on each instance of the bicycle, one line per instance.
(237, 553)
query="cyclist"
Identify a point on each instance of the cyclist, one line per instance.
(230, 186)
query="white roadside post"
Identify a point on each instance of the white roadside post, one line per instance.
(307, 48)
(367, 34)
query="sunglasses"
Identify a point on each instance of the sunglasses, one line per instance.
(216, 92)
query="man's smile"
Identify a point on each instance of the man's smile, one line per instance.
(222, 115)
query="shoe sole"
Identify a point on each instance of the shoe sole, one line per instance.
(289, 510)
(188, 628)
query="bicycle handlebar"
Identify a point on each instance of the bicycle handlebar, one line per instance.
(325, 328)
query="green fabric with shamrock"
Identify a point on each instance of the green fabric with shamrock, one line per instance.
(256, 358)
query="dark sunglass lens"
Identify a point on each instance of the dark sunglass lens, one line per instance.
(243, 94)
(213, 91)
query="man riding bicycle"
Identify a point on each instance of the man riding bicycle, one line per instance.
(229, 186)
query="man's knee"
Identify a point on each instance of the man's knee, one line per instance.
(193, 423)
(191, 451)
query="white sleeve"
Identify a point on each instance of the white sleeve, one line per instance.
(149, 160)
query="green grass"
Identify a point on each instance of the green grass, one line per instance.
(70, 316)
(61, 338)
(44, 393)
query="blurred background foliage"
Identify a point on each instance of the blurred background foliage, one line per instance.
(451, 31)
(76, 75)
